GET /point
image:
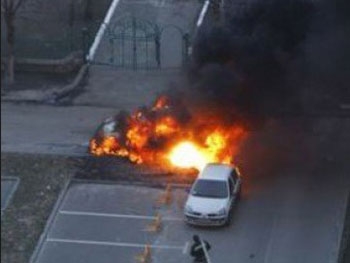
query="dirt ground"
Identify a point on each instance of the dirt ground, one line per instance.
(41, 180)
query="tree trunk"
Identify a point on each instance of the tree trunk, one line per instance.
(10, 19)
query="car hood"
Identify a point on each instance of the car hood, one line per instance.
(206, 205)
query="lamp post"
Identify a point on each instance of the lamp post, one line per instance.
(218, 8)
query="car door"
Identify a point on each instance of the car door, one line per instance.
(236, 181)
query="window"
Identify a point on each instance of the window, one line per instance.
(210, 189)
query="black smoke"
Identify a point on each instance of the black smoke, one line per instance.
(327, 59)
(253, 65)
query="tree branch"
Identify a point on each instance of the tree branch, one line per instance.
(17, 5)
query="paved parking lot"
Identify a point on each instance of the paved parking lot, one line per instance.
(8, 187)
(100, 222)
(108, 223)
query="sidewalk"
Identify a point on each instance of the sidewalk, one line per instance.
(127, 89)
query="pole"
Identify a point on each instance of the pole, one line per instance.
(134, 58)
(205, 251)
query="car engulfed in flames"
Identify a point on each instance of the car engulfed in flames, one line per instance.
(166, 133)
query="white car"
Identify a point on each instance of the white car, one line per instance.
(213, 195)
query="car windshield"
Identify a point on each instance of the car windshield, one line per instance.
(210, 188)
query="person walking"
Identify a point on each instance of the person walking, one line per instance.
(197, 250)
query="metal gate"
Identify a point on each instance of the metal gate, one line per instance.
(132, 43)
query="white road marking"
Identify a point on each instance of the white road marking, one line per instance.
(202, 14)
(105, 243)
(78, 213)
(271, 240)
(184, 251)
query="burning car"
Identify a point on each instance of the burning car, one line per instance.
(166, 133)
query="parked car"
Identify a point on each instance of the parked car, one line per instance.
(213, 195)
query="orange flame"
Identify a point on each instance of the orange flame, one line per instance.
(185, 147)
(166, 126)
(188, 155)
(161, 103)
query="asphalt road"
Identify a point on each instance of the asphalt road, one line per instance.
(49, 130)
(294, 216)
(104, 223)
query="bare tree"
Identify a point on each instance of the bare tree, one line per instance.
(9, 9)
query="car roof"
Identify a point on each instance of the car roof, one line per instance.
(216, 171)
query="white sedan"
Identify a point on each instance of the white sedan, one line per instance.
(213, 195)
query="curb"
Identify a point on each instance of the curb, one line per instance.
(49, 222)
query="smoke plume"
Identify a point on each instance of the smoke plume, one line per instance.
(270, 57)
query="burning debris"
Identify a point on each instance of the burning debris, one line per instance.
(167, 133)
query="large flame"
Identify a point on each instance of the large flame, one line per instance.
(157, 135)
(188, 155)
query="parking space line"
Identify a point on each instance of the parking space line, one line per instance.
(185, 249)
(79, 213)
(10, 192)
(106, 243)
